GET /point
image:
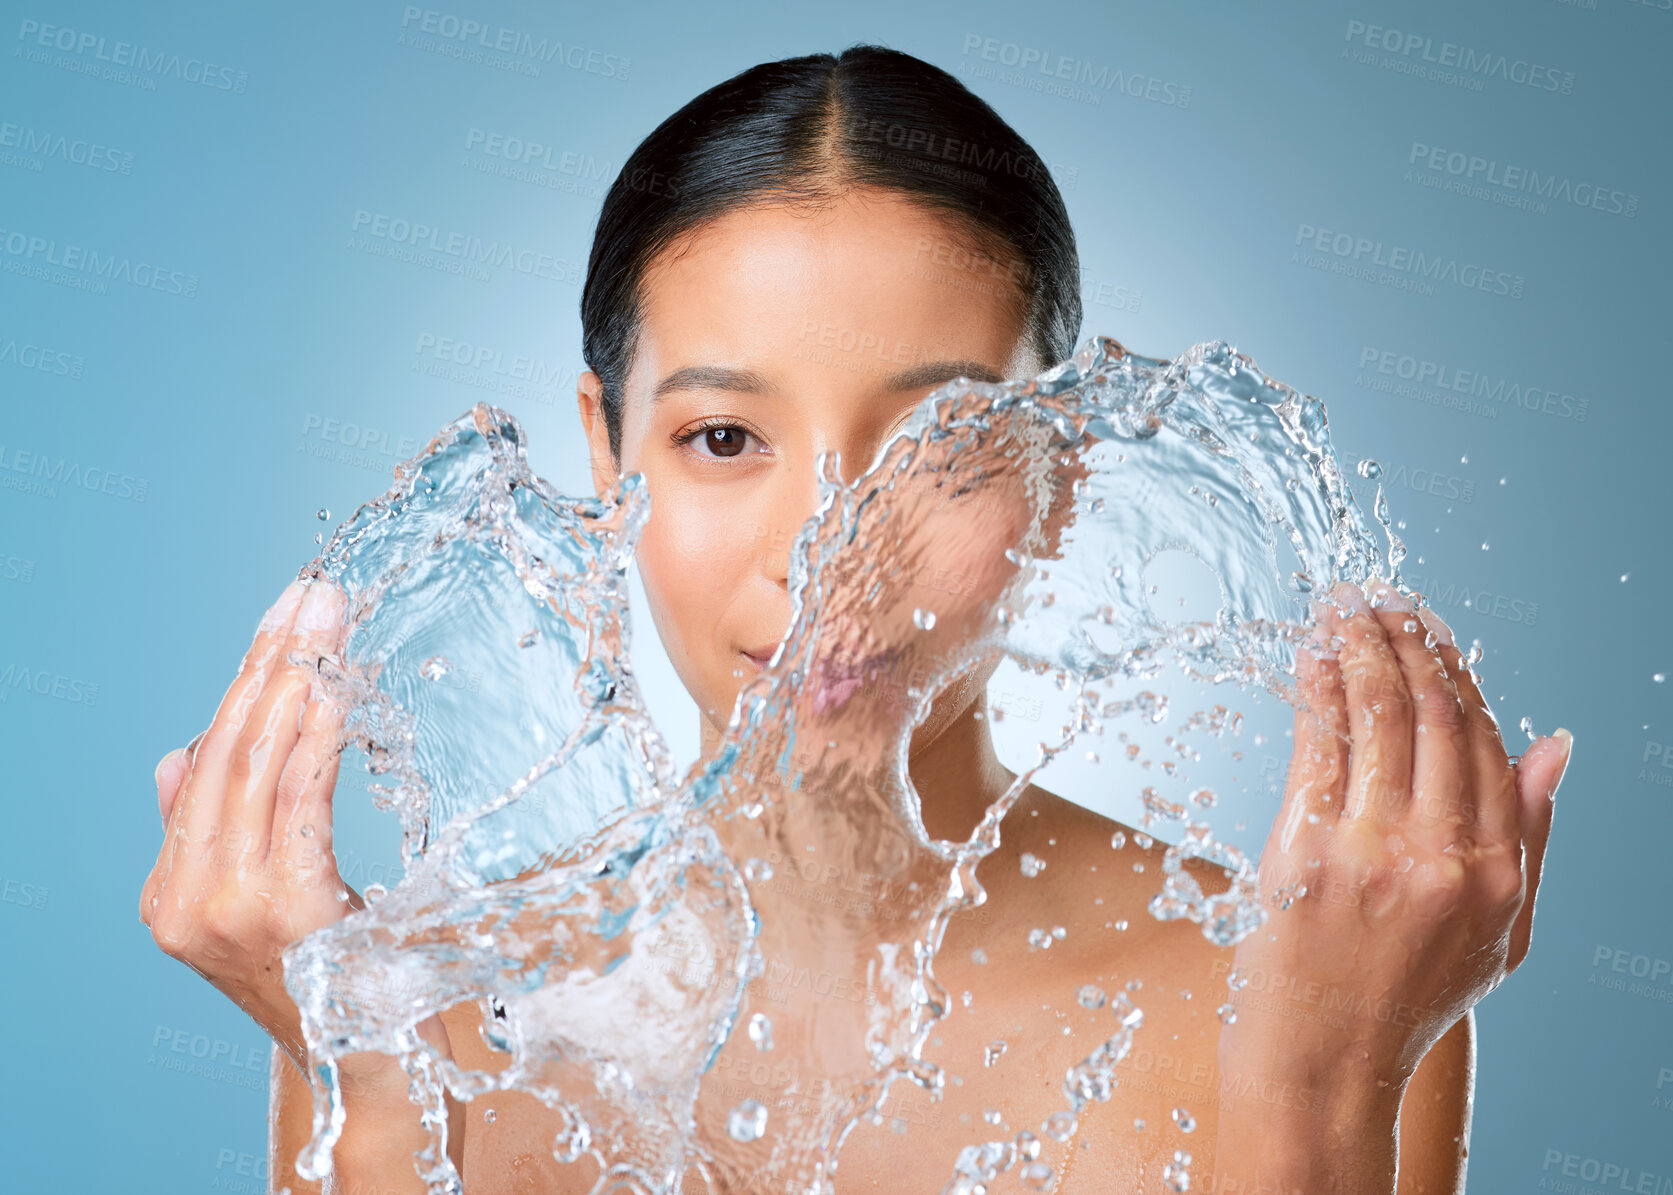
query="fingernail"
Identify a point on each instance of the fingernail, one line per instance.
(157, 775)
(319, 610)
(1567, 741)
(1433, 621)
(1385, 597)
(279, 614)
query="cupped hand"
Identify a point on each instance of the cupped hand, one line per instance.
(246, 866)
(1402, 869)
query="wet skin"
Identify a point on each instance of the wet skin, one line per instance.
(760, 332)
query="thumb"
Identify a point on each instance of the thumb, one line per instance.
(1538, 773)
(170, 774)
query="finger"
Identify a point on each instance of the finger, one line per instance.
(1538, 773)
(170, 772)
(1492, 794)
(1379, 713)
(200, 812)
(1443, 767)
(1318, 773)
(302, 829)
(274, 727)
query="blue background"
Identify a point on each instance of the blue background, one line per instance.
(233, 405)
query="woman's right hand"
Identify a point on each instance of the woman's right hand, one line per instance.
(246, 867)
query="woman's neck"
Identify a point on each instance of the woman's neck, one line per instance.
(955, 770)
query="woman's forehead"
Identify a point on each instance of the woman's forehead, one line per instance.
(877, 272)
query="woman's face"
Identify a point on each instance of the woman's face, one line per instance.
(770, 335)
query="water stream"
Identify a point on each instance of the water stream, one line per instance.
(611, 918)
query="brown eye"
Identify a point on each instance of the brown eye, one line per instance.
(724, 441)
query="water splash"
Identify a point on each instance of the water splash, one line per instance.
(608, 918)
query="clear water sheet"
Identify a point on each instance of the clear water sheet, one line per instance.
(555, 864)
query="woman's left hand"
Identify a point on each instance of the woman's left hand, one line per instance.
(1407, 852)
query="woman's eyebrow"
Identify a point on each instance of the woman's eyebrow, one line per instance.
(933, 373)
(747, 381)
(711, 377)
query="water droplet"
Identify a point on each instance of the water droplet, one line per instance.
(1658, 677)
(1028, 1146)
(1091, 996)
(924, 620)
(1032, 865)
(992, 1115)
(747, 1121)
(1038, 939)
(1138, 1126)
(1227, 1014)
(1237, 980)
(979, 956)
(1144, 841)
(758, 870)
(991, 1055)
(1370, 468)
(1118, 840)
(322, 514)
(489, 1115)
(1527, 725)
(1037, 1176)
(761, 1031)
(435, 668)
(1122, 924)
(1485, 546)
(1186, 1122)
(1301, 582)
(373, 894)
(1060, 1126)
(307, 831)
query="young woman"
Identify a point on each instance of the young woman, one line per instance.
(785, 267)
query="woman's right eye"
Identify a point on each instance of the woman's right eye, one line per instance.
(719, 440)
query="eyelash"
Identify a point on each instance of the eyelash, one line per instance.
(684, 439)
